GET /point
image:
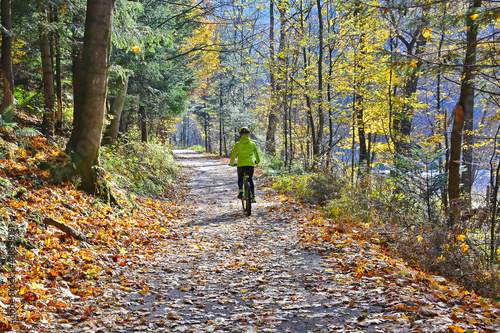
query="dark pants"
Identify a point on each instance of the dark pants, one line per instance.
(246, 170)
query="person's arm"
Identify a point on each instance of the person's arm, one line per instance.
(234, 153)
(256, 153)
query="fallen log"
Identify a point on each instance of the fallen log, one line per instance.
(65, 228)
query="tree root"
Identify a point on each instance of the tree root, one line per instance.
(103, 188)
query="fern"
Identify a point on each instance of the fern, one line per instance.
(6, 118)
(27, 132)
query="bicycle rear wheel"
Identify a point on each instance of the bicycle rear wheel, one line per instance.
(248, 198)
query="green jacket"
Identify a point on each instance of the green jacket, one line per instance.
(246, 151)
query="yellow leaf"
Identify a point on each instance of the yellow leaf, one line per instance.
(461, 238)
(244, 290)
(455, 329)
(474, 16)
(145, 290)
(413, 64)
(419, 238)
(136, 49)
(427, 32)
(35, 285)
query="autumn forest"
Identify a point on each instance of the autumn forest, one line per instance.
(378, 131)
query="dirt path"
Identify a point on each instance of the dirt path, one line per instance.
(224, 272)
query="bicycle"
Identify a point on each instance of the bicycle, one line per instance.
(246, 199)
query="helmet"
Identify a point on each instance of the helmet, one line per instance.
(244, 130)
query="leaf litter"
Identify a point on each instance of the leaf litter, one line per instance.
(195, 263)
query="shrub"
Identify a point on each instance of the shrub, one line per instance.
(313, 188)
(145, 169)
(198, 148)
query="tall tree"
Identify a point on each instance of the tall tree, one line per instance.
(48, 122)
(464, 112)
(467, 96)
(272, 118)
(321, 117)
(414, 42)
(116, 107)
(85, 139)
(6, 57)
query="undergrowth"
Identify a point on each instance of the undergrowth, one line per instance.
(145, 169)
(399, 219)
(198, 148)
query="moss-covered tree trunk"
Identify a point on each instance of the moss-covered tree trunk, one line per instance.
(85, 139)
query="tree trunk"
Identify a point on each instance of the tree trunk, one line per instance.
(207, 148)
(116, 110)
(124, 122)
(467, 100)
(272, 120)
(310, 117)
(88, 121)
(321, 118)
(58, 79)
(463, 119)
(76, 57)
(143, 123)
(6, 57)
(402, 124)
(360, 124)
(221, 134)
(493, 198)
(49, 116)
(454, 165)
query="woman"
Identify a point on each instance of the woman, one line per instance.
(248, 157)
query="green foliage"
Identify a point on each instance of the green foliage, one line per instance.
(145, 169)
(293, 184)
(314, 188)
(369, 202)
(25, 99)
(7, 118)
(198, 148)
(419, 180)
(275, 165)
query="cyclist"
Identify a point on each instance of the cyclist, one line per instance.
(248, 157)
